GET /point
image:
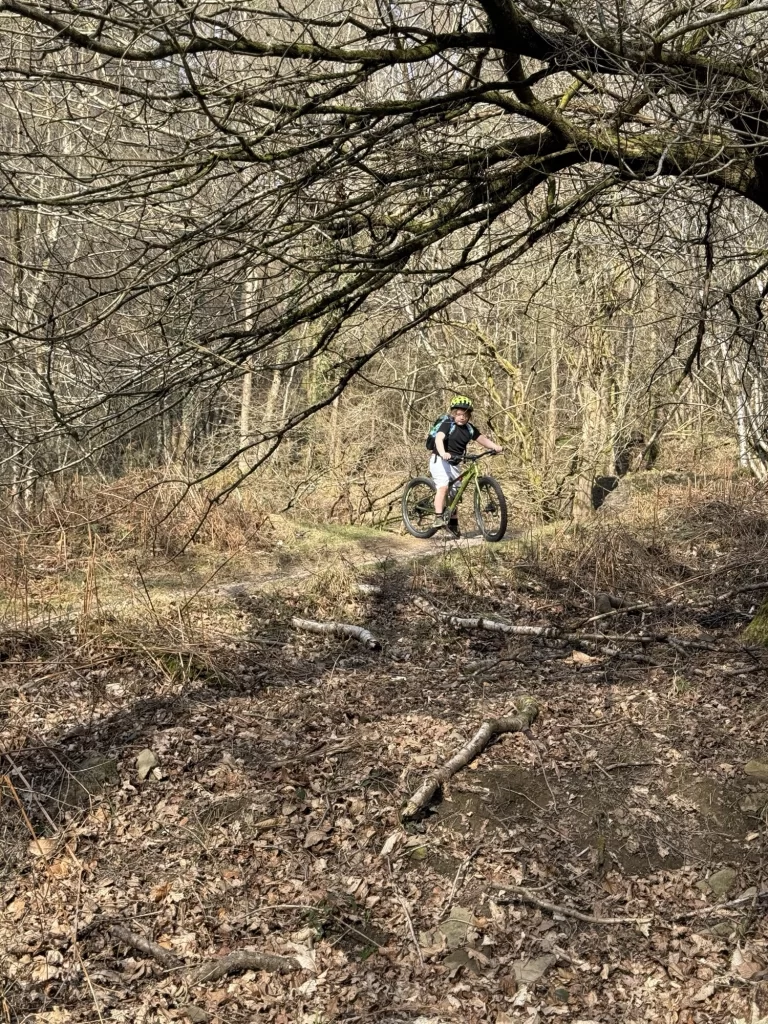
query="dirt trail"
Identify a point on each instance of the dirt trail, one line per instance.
(126, 584)
(391, 548)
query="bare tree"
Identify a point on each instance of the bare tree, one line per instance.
(330, 157)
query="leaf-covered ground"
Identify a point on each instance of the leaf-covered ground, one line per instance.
(268, 815)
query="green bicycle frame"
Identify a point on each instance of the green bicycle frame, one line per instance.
(469, 476)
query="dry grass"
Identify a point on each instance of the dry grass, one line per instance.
(652, 538)
(142, 546)
(118, 552)
(154, 512)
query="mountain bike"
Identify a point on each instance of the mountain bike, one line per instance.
(490, 505)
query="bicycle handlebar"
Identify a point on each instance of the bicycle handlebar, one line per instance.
(481, 455)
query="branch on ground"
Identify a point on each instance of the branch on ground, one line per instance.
(164, 956)
(528, 711)
(244, 960)
(481, 622)
(338, 629)
(552, 632)
(210, 970)
(517, 893)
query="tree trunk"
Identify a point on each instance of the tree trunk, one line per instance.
(550, 442)
(245, 417)
(246, 393)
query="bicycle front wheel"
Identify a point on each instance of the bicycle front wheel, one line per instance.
(419, 507)
(490, 508)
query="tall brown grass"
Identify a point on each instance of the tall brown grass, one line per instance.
(648, 540)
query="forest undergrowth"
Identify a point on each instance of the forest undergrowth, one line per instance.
(208, 781)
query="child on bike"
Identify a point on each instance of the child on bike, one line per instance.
(451, 441)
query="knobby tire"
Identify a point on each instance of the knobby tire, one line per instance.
(413, 519)
(488, 492)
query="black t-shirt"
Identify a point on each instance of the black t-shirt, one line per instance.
(456, 438)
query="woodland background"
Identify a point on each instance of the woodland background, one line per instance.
(216, 260)
(247, 252)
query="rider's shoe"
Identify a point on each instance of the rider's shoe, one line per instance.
(439, 520)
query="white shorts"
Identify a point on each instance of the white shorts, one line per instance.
(442, 472)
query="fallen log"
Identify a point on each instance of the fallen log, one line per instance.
(369, 589)
(338, 629)
(528, 711)
(482, 622)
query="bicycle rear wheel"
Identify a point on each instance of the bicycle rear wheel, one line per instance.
(490, 508)
(418, 507)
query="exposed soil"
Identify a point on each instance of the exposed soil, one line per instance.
(270, 821)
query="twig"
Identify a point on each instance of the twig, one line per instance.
(741, 590)
(628, 608)
(553, 633)
(570, 959)
(526, 896)
(628, 764)
(524, 796)
(732, 670)
(740, 901)
(210, 970)
(7, 780)
(76, 947)
(315, 754)
(544, 773)
(480, 622)
(245, 920)
(147, 594)
(32, 793)
(642, 638)
(409, 922)
(459, 872)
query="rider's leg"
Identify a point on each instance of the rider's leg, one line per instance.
(440, 495)
(442, 473)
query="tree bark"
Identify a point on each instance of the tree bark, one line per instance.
(339, 629)
(480, 622)
(245, 417)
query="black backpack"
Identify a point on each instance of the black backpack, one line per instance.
(430, 442)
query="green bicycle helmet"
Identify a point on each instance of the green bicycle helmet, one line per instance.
(461, 402)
